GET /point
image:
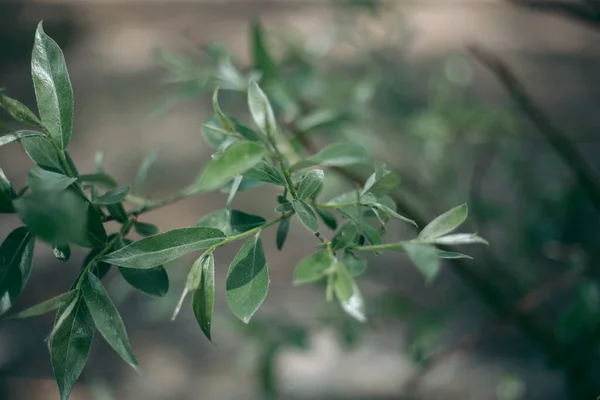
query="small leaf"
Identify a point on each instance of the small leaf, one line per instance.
(19, 111)
(327, 217)
(345, 236)
(142, 173)
(265, 172)
(235, 160)
(343, 283)
(52, 88)
(445, 223)
(16, 259)
(380, 186)
(356, 266)
(261, 110)
(114, 196)
(284, 207)
(20, 135)
(160, 249)
(370, 233)
(151, 281)
(311, 183)
(219, 220)
(99, 179)
(335, 155)
(242, 222)
(46, 181)
(282, 232)
(214, 134)
(355, 305)
(425, 258)
(107, 319)
(101, 268)
(46, 306)
(204, 295)
(43, 153)
(146, 229)
(7, 194)
(391, 213)
(95, 231)
(219, 116)
(62, 252)
(247, 280)
(236, 182)
(306, 215)
(313, 268)
(456, 238)
(247, 133)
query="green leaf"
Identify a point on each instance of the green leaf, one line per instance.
(313, 268)
(218, 219)
(335, 155)
(380, 186)
(261, 109)
(356, 265)
(160, 249)
(282, 232)
(19, 135)
(55, 217)
(319, 119)
(95, 232)
(391, 213)
(46, 306)
(46, 181)
(16, 259)
(284, 207)
(117, 211)
(370, 233)
(456, 238)
(235, 160)
(19, 111)
(107, 319)
(306, 215)
(265, 172)
(451, 254)
(43, 153)
(142, 173)
(214, 134)
(52, 88)
(311, 183)
(327, 217)
(348, 293)
(114, 196)
(220, 117)
(146, 229)
(62, 252)
(445, 223)
(247, 133)
(242, 222)
(151, 281)
(99, 179)
(7, 195)
(101, 268)
(425, 258)
(261, 58)
(70, 345)
(235, 185)
(247, 280)
(345, 236)
(204, 295)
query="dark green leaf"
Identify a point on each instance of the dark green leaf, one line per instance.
(242, 222)
(261, 110)
(445, 223)
(16, 259)
(218, 219)
(282, 232)
(118, 212)
(71, 164)
(335, 155)
(143, 171)
(345, 236)
(46, 181)
(204, 295)
(370, 233)
(260, 55)
(52, 88)
(99, 179)
(306, 215)
(146, 229)
(247, 280)
(70, 345)
(235, 160)
(356, 266)
(311, 183)
(101, 268)
(151, 281)
(247, 133)
(313, 268)
(20, 135)
(451, 254)
(62, 252)
(43, 153)
(425, 258)
(46, 306)
(114, 196)
(95, 232)
(107, 319)
(327, 217)
(7, 194)
(265, 172)
(160, 249)
(19, 111)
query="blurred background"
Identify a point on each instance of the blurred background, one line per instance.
(491, 102)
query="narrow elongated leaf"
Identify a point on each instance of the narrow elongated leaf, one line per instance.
(219, 115)
(70, 345)
(345, 236)
(237, 159)
(425, 258)
(160, 249)
(107, 319)
(142, 173)
(219, 220)
(16, 259)
(451, 254)
(265, 172)
(235, 185)
(19, 135)
(46, 306)
(242, 222)
(7, 194)
(306, 215)
(260, 55)
(247, 280)
(313, 268)
(204, 296)
(151, 281)
(146, 229)
(335, 155)
(99, 179)
(95, 233)
(311, 183)
(118, 212)
(445, 223)
(391, 213)
(282, 233)
(101, 268)
(457, 238)
(62, 252)
(114, 196)
(19, 111)
(42, 152)
(380, 186)
(261, 110)
(52, 88)
(47, 181)
(327, 217)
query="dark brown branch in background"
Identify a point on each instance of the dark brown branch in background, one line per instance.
(586, 12)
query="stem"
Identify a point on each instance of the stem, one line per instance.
(286, 172)
(377, 247)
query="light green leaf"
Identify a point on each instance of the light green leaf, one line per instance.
(313, 268)
(219, 220)
(46, 181)
(311, 183)
(345, 236)
(151, 281)
(235, 160)
(456, 238)
(52, 88)
(284, 207)
(380, 186)
(204, 295)
(356, 265)
(282, 232)
(425, 258)
(216, 135)
(19, 111)
(391, 213)
(142, 173)
(242, 222)
(99, 179)
(19, 135)
(46, 306)
(318, 119)
(62, 252)
(335, 155)
(107, 319)
(306, 215)
(16, 259)
(327, 217)
(265, 172)
(445, 223)
(146, 229)
(261, 110)
(343, 283)
(7, 194)
(160, 249)
(114, 196)
(247, 280)
(220, 117)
